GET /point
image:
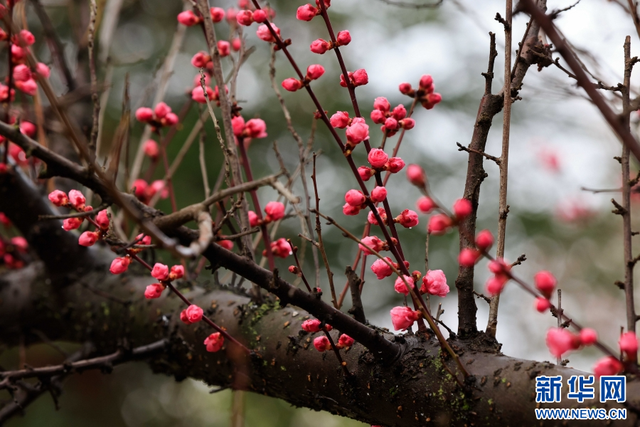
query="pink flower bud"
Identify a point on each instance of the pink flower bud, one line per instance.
(153, 291)
(102, 219)
(407, 123)
(20, 243)
(377, 158)
(231, 15)
(191, 314)
(224, 48)
(259, 15)
(343, 38)
(227, 244)
(120, 265)
(43, 70)
(151, 149)
(77, 199)
(21, 73)
(399, 112)
(237, 123)
(468, 257)
(381, 103)
(372, 218)
(144, 114)
(462, 208)
(30, 87)
(435, 283)
(588, 336)
(607, 366)
(425, 204)
(162, 110)
(17, 52)
(390, 124)
(403, 317)
(143, 240)
(58, 198)
(360, 77)
(378, 116)
(256, 128)
(254, 221)
(560, 341)
(365, 173)
(629, 344)
(405, 88)
(315, 71)
(244, 17)
(499, 266)
(322, 344)
(484, 240)
(395, 164)
(400, 287)
(170, 119)
(426, 82)
(432, 100)
(407, 218)
(439, 224)
(373, 242)
(349, 210)
(345, 341)
(340, 119)
(27, 38)
(358, 131)
(416, 176)
(274, 210)
(378, 194)
(542, 304)
(306, 12)
(88, 238)
(311, 325)
(320, 46)
(291, 84)
(495, 285)
(160, 271)
(197, 94)
(199, 60)
(214, 342)
(176, 272)
(280, 248)
(545, 282)
(354, 198)
(28, 128)
(140, 186)
(188, 18)
(381, 269)
(264, 33)
(217, 14)
(236, 44)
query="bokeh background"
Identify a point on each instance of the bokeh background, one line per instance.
(559, 144)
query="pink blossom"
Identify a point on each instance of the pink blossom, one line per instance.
(439, 224)
(280, 248)
(158, 186)
(199, 60)
(291, 84)
(431, 100)
(43, 70)
(197, 94)
(255, 128)
(77, 199)
(416, 175)
(407, 218)
(20, 243)
(153, 291)
(160, 271)
(377, 158)
(227, 244)
(378, 194)
(320, 46)
(425, 204)
(322, 344)
(274, 210)
(140, 186)
(161, 110)
(143, 240)
(468, 257)
(390, 124)
(560, 341)
(381, 103)
(254, 220)
(381, 269)
(315, 71)
(119, 265)
(373, 242)
(407, 123)
(236, 44)
(214, 342)
(151, 149)
(188, 18)
(343, 38)
(435, 283)
(102, 219)
(588, 336)
(403, 317)
(88, 238)
(495, 285)
(354, 198)
(237, 123)
(311, 325)
(264, 33)
(462, 208)
(244, 17)
(29, 87)
(499, 266)
(340, 119)
(27, 37)
(628, 343)
(426, 82)
(144, 114)
(217, 14)
(224, 48)
(21, 73)
(231, 16)
(306, 12)
(365, 173)
(400, 287)
(405, 88)
(545, 282)
(27, 128)
(191, 314)
(542, 304)
(378, 116)
(360, 77)
(358, 131)
(58, 198)
(484, 240)
(259, 15)
(399, 112)
(345, 341)
(395, 164)
(17, 52)
(608, 365)
(176, 272)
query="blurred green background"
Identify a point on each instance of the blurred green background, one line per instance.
(557, 225)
